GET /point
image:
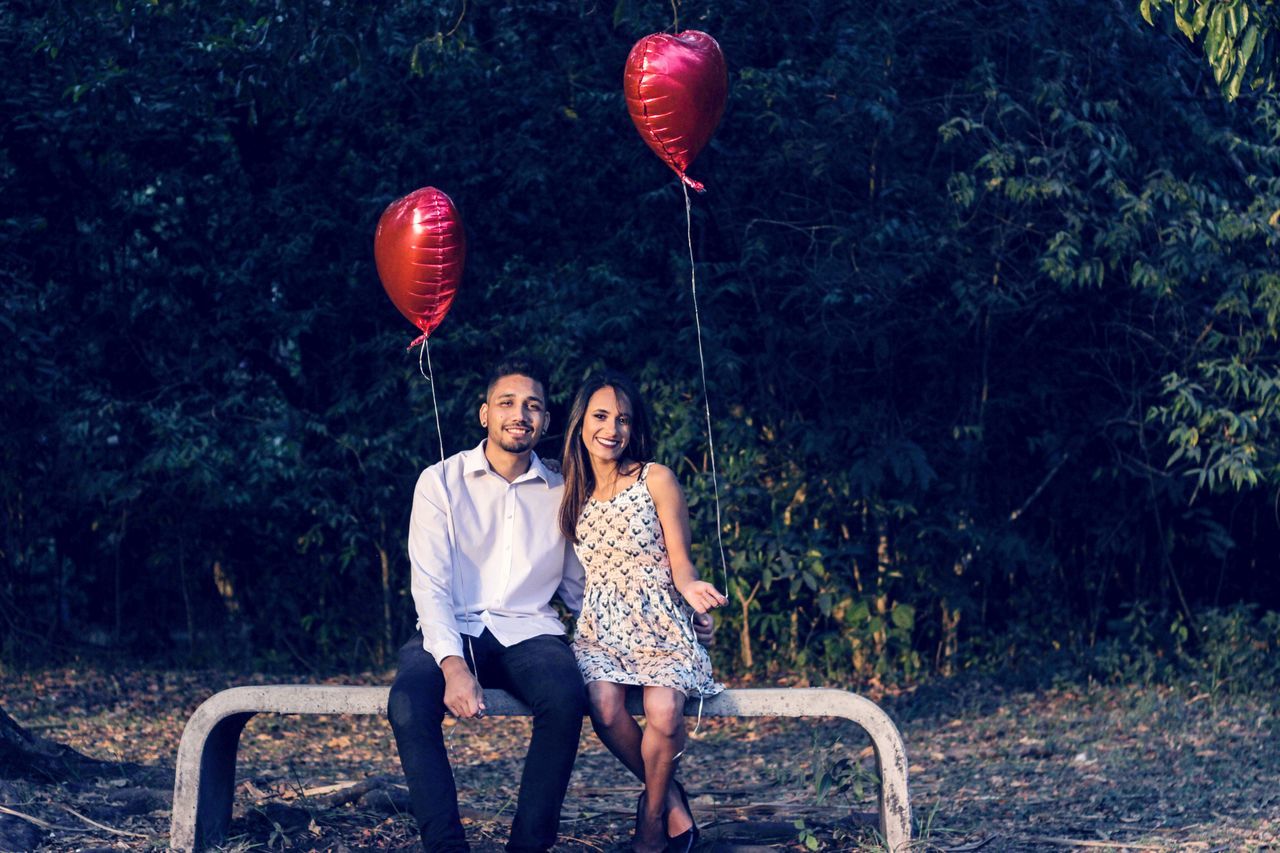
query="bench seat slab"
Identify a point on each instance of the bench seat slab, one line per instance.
(204, 783)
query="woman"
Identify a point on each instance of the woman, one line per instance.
(629, 523)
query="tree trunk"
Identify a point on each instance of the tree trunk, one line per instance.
(744, 637)
(26, 756)
(388, 640)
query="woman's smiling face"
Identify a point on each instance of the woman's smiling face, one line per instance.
(606, 429)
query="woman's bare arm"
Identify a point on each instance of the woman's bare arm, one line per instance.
(673, 513)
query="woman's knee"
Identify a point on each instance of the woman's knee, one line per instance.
(664, 711)
(608, 707)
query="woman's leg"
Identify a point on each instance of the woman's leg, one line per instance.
(619, 731)
(616, 729)
(663, 740)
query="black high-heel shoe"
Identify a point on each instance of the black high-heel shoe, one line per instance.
(640, 819)
(687, 840)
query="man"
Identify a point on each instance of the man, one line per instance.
(486, 557)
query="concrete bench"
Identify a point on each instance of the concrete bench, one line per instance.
(205, 780)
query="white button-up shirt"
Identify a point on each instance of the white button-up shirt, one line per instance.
(509, 558)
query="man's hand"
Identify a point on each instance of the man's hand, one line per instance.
(705, 628)
(462, 694)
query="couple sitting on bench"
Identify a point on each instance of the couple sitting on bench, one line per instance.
(493, 537)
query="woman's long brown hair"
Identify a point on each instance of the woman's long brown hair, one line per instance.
(575, 462)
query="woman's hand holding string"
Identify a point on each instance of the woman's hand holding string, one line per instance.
(702, 596)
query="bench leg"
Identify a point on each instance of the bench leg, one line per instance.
(891, 765)
(895, 811)
(204, 784)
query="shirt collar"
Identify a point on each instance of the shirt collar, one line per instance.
(538, 469)
(475, 462)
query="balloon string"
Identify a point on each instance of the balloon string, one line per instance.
(452, 532)
(426, 348)
(701, 698)
(706, 399)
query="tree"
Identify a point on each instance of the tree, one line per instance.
(26, 756)
(1240, 38)
(986, 293)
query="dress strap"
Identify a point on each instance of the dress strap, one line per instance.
(644, 471)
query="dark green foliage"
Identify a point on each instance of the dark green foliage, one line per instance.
(1239, 37)
(1233, 651)
(987, 295)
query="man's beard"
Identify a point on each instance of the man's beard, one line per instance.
(511, 444)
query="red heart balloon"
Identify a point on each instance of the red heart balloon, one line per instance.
(420, 249)
(676, 88)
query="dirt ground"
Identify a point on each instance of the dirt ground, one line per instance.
(992, 767)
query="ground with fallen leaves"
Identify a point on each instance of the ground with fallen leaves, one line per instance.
(994, 766)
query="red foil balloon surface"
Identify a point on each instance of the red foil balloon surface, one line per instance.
(420, 249)
(676, 87)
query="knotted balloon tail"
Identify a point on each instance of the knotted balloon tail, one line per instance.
(420, 339)
(706, 399)
(696, 186)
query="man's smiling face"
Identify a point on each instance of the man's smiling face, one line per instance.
(515, 413)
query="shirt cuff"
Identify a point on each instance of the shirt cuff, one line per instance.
(443, 647)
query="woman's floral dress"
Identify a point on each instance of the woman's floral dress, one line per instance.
(635, 627)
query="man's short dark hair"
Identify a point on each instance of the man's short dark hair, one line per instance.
(515, 366)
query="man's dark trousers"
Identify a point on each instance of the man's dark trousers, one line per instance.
(542, 673)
